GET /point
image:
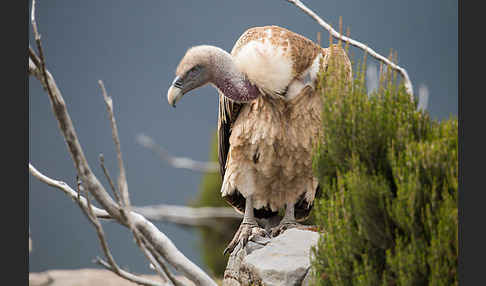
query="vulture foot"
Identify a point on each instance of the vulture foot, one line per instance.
(283, 226)
(246, 232)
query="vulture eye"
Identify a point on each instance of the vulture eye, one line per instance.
(192, 72)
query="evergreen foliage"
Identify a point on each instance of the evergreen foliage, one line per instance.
(389, 177)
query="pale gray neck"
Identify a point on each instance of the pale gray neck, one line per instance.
(229, 80)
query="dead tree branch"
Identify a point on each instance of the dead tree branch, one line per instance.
(162, 245)
(122, 178)
(176, 162)
(202, 216)
(111, 264)
(127, 275)
(183, 215)
(108, 178)
(335, 34)
(65, 188)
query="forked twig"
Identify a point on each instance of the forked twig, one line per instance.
(122, 178)
(108, 178)
(146, 247)
(127, 275)
(334, 33)
(113, 266)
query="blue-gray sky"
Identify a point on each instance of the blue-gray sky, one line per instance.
(134, 47)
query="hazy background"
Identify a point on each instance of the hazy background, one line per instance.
(134, 47)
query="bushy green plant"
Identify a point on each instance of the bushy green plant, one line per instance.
(389, 178)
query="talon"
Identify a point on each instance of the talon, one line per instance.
(283, 226)
(225, 251)
(246, 231)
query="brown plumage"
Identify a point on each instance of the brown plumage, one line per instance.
(280, 132)
(269, 119)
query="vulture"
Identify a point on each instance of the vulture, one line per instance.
(269, 120)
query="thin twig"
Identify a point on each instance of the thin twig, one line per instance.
(37, 38)
(155, 259)
(334, 33)
(88, 211)
(154, 262)
(33, 70)
(65, 188)
(127, 275)
(176, 162)
(108, 178)
(122, 178)
(34, 57)
(148, 250)
(190, 216)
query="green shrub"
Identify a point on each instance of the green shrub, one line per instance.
(389, 178)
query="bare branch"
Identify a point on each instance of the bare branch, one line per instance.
(127, 275)
(34, 57)
(41, 57)
(34, 24)
(162, 244)
(169, 213)
(154, 263)
(87, 210)
(176, 162)
(334, 33)
(101, 213)
(122, 178)
(33, 70)
(146, 247)
(74, 147)
(108, 177)
(148, 250)
(189, 216)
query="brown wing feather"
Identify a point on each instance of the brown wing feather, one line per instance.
(305, 52)
(228, 112)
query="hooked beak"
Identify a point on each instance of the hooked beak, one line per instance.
(173, 95)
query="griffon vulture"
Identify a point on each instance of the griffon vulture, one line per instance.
(268, 123)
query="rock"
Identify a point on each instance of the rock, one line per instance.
(283, 260)
(87, 277)
(307, 279)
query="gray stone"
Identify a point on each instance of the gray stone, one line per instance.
(284, 260)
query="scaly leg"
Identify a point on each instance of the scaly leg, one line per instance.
(247, 227)
(288, 221)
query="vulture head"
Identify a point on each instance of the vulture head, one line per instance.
(208, 64)
(193, 71)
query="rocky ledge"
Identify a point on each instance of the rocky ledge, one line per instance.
(283, 260)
